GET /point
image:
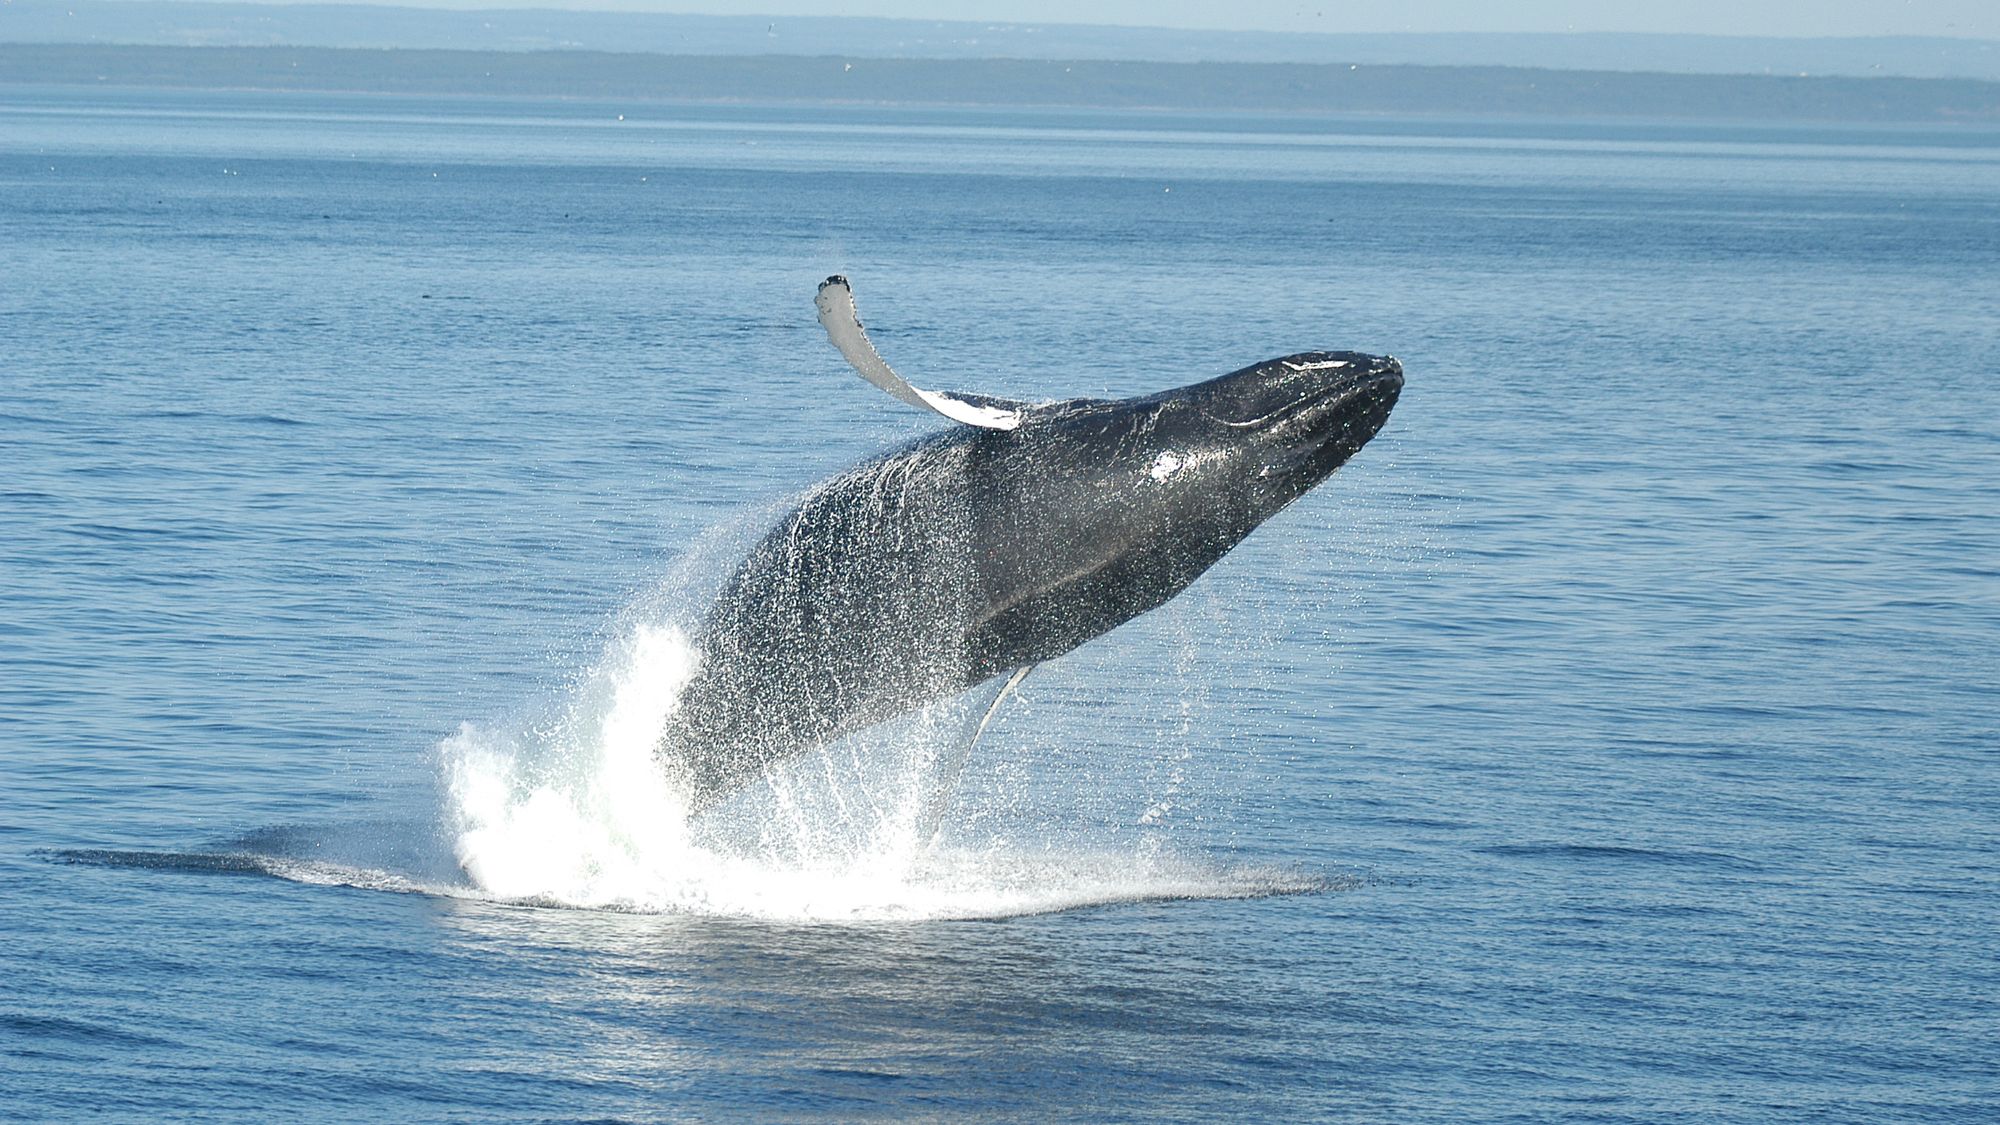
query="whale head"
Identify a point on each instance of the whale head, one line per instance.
(1212, 460)
(1286, 424)
(1098, 511)
(1220, 457)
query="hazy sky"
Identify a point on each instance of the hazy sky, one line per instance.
(1966, 18)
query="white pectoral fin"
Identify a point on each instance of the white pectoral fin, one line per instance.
(843, 326)
(952, 765)
(1006, 689)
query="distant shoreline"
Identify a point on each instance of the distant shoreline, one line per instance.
(343, 23)
(1200, 86)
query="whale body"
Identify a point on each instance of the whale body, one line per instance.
(1005, 541)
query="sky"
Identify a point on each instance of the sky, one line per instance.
(1977, 19)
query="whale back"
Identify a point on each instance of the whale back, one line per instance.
(845, 614)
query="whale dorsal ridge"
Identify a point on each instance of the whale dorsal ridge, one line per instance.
(843, 326)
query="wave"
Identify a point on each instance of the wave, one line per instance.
(952, 884)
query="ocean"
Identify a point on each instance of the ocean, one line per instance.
(1615, 738)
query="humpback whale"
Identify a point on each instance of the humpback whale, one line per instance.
(1004, 541)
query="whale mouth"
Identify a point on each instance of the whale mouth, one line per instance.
(1357, 412)
(1312, 437)
(1375, 392)
(1352, 409)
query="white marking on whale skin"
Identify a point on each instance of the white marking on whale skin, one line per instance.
(958, 410)
(1178, 461)
(1316, 365)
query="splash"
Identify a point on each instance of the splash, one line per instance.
(576, 812)
(572, 811)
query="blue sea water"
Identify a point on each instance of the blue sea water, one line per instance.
(1616, 738)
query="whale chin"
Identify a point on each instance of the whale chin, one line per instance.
(1357, 412)
(1327, 427)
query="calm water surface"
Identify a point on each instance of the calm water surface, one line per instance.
(1614, 739)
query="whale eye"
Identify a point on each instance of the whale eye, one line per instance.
(1166, 465)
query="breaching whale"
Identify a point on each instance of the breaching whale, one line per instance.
(1005, 541)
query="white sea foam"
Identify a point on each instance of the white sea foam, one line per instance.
(576, 812)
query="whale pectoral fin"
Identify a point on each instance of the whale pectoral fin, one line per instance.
(993, 708)
(945, 785)
(843, 326)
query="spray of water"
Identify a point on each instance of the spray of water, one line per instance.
(576, 812)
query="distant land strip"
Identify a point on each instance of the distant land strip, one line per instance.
(1264, 87)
